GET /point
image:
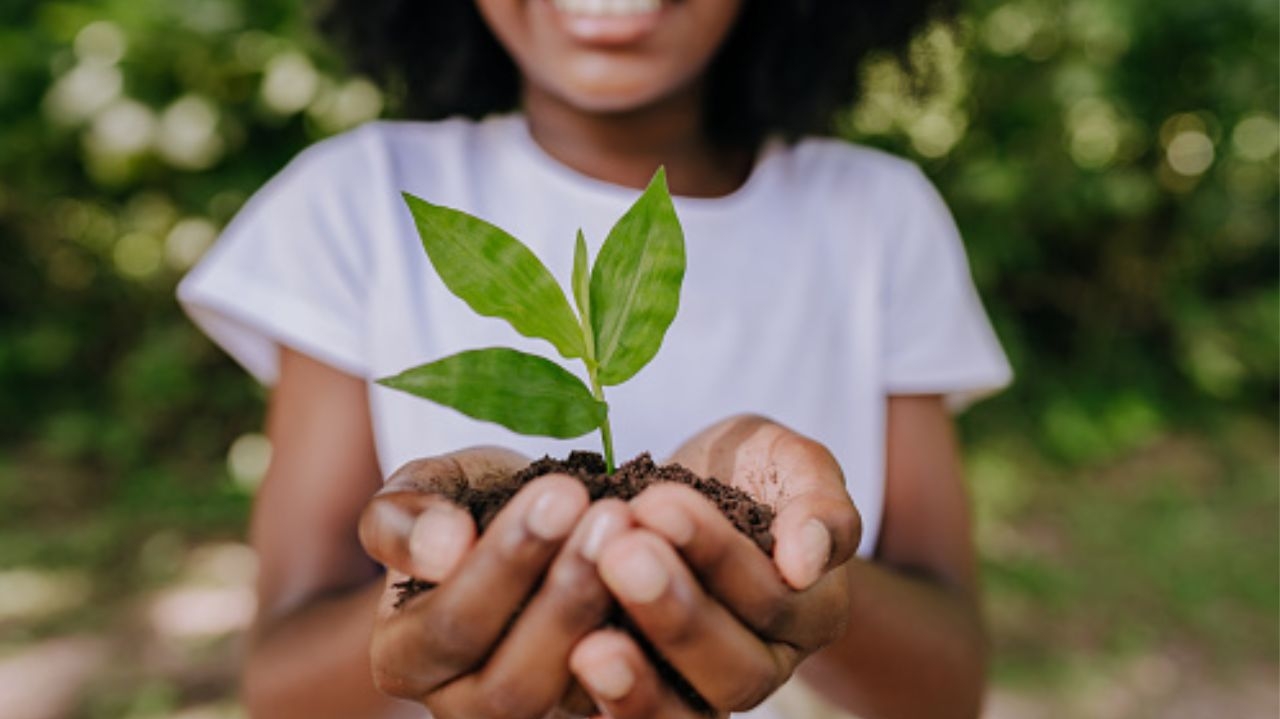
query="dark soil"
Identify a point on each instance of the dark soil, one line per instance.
(750, 517)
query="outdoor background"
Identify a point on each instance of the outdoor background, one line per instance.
(1112, 164)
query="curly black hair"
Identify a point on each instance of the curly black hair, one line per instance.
(787, 66)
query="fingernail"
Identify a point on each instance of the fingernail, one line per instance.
(552, 516)
(434, 543)
(601, 528)
(394, 517)
(815, 549)
(637, 576)
(611, 680)
(673, 524)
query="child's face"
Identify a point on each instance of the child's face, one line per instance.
(610, 55)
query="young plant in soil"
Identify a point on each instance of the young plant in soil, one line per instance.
(625, 302)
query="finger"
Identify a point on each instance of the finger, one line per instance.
(795, 474)
(421, 535)
(429, 549)
(732, 568)
(817, 526)
(576, 702)
(447, 631)
(623, 683)
(449, 473)
(723, 660)
(528, 673)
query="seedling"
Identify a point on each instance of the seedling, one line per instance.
(625, 303)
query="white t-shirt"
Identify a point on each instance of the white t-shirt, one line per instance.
(833, 278)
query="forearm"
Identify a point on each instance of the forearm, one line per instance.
(314, 662)
(913, 649)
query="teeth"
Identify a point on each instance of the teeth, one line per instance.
(607, 7)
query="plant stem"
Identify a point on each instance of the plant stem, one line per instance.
(606, 432)
(606, 436)
(597, 391)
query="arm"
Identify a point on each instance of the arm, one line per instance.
(483, 643)
(317, 589)
(896, 638)
(915, 645)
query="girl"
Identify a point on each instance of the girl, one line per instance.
(826, 288)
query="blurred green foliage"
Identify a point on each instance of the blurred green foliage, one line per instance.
(1113, 168)
(1112, 164)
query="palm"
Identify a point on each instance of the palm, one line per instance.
(798, 477)
(763, 458)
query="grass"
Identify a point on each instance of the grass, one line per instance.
(1169, 548)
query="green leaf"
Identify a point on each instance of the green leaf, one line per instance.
(582, 293)
(522, 392)
(496, 275)
(635, 284)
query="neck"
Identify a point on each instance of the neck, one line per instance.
(625, 148)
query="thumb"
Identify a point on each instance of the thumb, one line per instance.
(814, 534)
(415, 533)
(817, 527)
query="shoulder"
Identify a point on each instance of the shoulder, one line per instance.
(375, 147)
(857, 196)
(440, 135)
(838, 166)
(343, 192)
(357, 176)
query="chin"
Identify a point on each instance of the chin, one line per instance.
(612, 99)
(612, 89)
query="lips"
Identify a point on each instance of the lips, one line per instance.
(608, 22)
(610, 8)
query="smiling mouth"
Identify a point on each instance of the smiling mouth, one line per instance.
(608, 8)
(608, 24)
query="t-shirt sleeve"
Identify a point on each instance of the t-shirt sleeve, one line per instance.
(291, 269)
(938, 339)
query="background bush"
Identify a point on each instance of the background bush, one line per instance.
(1112, 164)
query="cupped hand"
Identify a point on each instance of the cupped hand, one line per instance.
(731, 620)
(493, 637)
